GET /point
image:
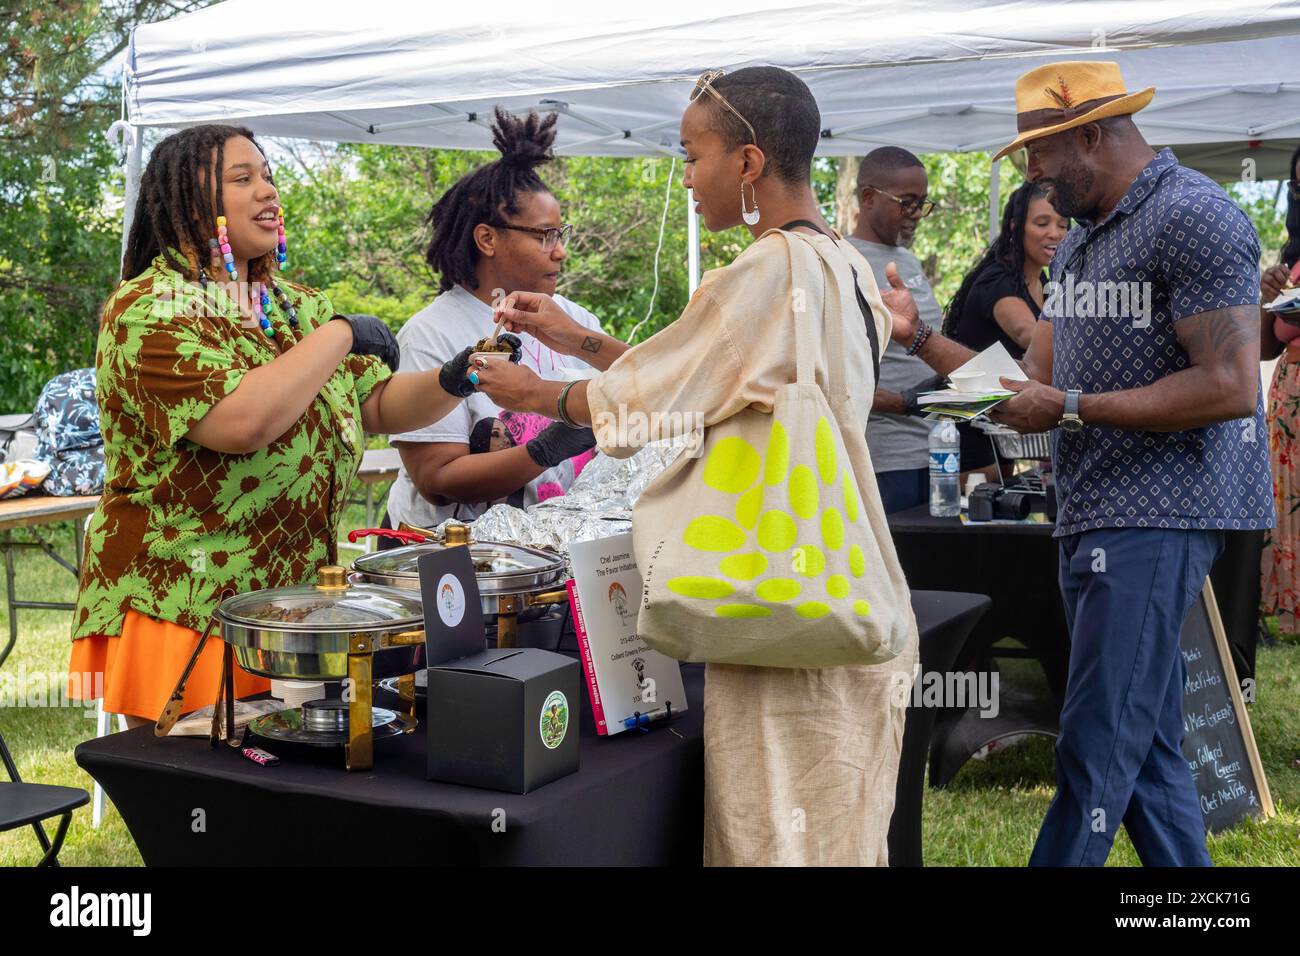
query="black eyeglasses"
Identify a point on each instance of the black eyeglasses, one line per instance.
(551, 236)
(910, 207)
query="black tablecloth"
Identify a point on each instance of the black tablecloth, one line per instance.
(1014, 564)
(1015, 572)
(637, 798)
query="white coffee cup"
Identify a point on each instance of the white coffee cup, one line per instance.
(967, 381)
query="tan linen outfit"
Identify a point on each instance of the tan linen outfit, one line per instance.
(800, 765)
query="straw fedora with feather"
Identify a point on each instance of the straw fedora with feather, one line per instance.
(1060, 96)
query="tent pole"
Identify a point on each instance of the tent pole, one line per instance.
(692, 243)
(131, 171)
(995, 181)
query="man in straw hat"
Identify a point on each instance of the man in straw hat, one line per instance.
(1145, 364)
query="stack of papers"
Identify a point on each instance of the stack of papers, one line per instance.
(980, 393)
(1288, 303)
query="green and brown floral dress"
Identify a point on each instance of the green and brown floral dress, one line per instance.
(178, 523)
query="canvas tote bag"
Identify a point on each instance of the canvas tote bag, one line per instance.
(771, 547)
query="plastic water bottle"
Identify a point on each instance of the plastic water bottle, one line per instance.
(945, 465)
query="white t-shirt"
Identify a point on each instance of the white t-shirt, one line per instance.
(438, 333)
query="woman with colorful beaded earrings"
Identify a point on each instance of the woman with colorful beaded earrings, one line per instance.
(233, 406)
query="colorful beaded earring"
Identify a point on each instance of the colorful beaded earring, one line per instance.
(223, 243)
(281, 249)
(262, 305)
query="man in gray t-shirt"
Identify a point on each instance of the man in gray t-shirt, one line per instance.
(892, 188)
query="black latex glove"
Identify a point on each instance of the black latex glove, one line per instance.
(454, 376)
(370, 336)
(558, 442)
(932, 384)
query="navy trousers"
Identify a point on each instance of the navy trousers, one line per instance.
(1119, 757)
(903, 489)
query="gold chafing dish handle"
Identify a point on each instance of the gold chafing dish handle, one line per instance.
(548, 597)
(427, 532)
(403, 639)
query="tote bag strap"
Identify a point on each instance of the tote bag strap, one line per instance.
(805, 333)
(868, 318)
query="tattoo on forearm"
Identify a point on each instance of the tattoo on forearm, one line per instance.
(590, 344)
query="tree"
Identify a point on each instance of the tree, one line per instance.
(59, 229)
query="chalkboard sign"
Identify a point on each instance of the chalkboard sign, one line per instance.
(1218, 744)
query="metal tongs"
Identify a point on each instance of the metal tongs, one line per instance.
(172, 709)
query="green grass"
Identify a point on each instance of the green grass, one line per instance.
(987, 816)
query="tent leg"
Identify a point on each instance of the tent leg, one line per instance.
(692, 243)
(995, 210)
(134, 156)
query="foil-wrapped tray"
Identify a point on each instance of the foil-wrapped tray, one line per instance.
(597, 505)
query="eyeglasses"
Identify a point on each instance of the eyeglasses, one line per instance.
(909, 206)
(705, 85)
(551, 236)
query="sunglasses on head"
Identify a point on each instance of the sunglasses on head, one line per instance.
(705, 85)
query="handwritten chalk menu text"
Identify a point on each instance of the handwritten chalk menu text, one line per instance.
(1218, 744)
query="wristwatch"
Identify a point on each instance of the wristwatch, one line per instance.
(1070, 421)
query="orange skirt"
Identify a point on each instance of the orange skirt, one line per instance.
(140, 668)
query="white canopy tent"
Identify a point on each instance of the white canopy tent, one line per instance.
(932, 76)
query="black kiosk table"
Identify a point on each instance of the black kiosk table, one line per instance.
(637, 799)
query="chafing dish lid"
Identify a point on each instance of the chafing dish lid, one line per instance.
(493, 561)
(331, 604)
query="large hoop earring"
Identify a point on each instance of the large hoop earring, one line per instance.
(750, 217)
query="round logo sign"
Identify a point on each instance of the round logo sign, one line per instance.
(451, 600)
(555, 719)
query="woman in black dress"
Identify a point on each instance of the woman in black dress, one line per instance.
(1000, 299)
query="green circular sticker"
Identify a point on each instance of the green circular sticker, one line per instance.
(555, 719)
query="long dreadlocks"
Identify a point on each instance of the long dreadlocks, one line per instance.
(174, 209)
(487, 194)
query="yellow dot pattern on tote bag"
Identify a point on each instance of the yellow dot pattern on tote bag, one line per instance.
(776, 531)
(707, 588)
(744, 567)
(803, 492)
(732, 466)
(778, 456)
(778, 589)
(832, 529)
(711, 533)
(735, 467)
(748, 507)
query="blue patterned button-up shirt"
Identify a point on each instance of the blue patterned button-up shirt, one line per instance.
(1173, 247)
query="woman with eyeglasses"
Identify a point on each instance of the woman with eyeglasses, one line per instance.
(496, 231)
(1279, 338)
(800, 765)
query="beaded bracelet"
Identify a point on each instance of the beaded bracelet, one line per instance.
(918, 341)
(559, 405)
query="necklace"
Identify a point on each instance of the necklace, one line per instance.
(262, 304)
